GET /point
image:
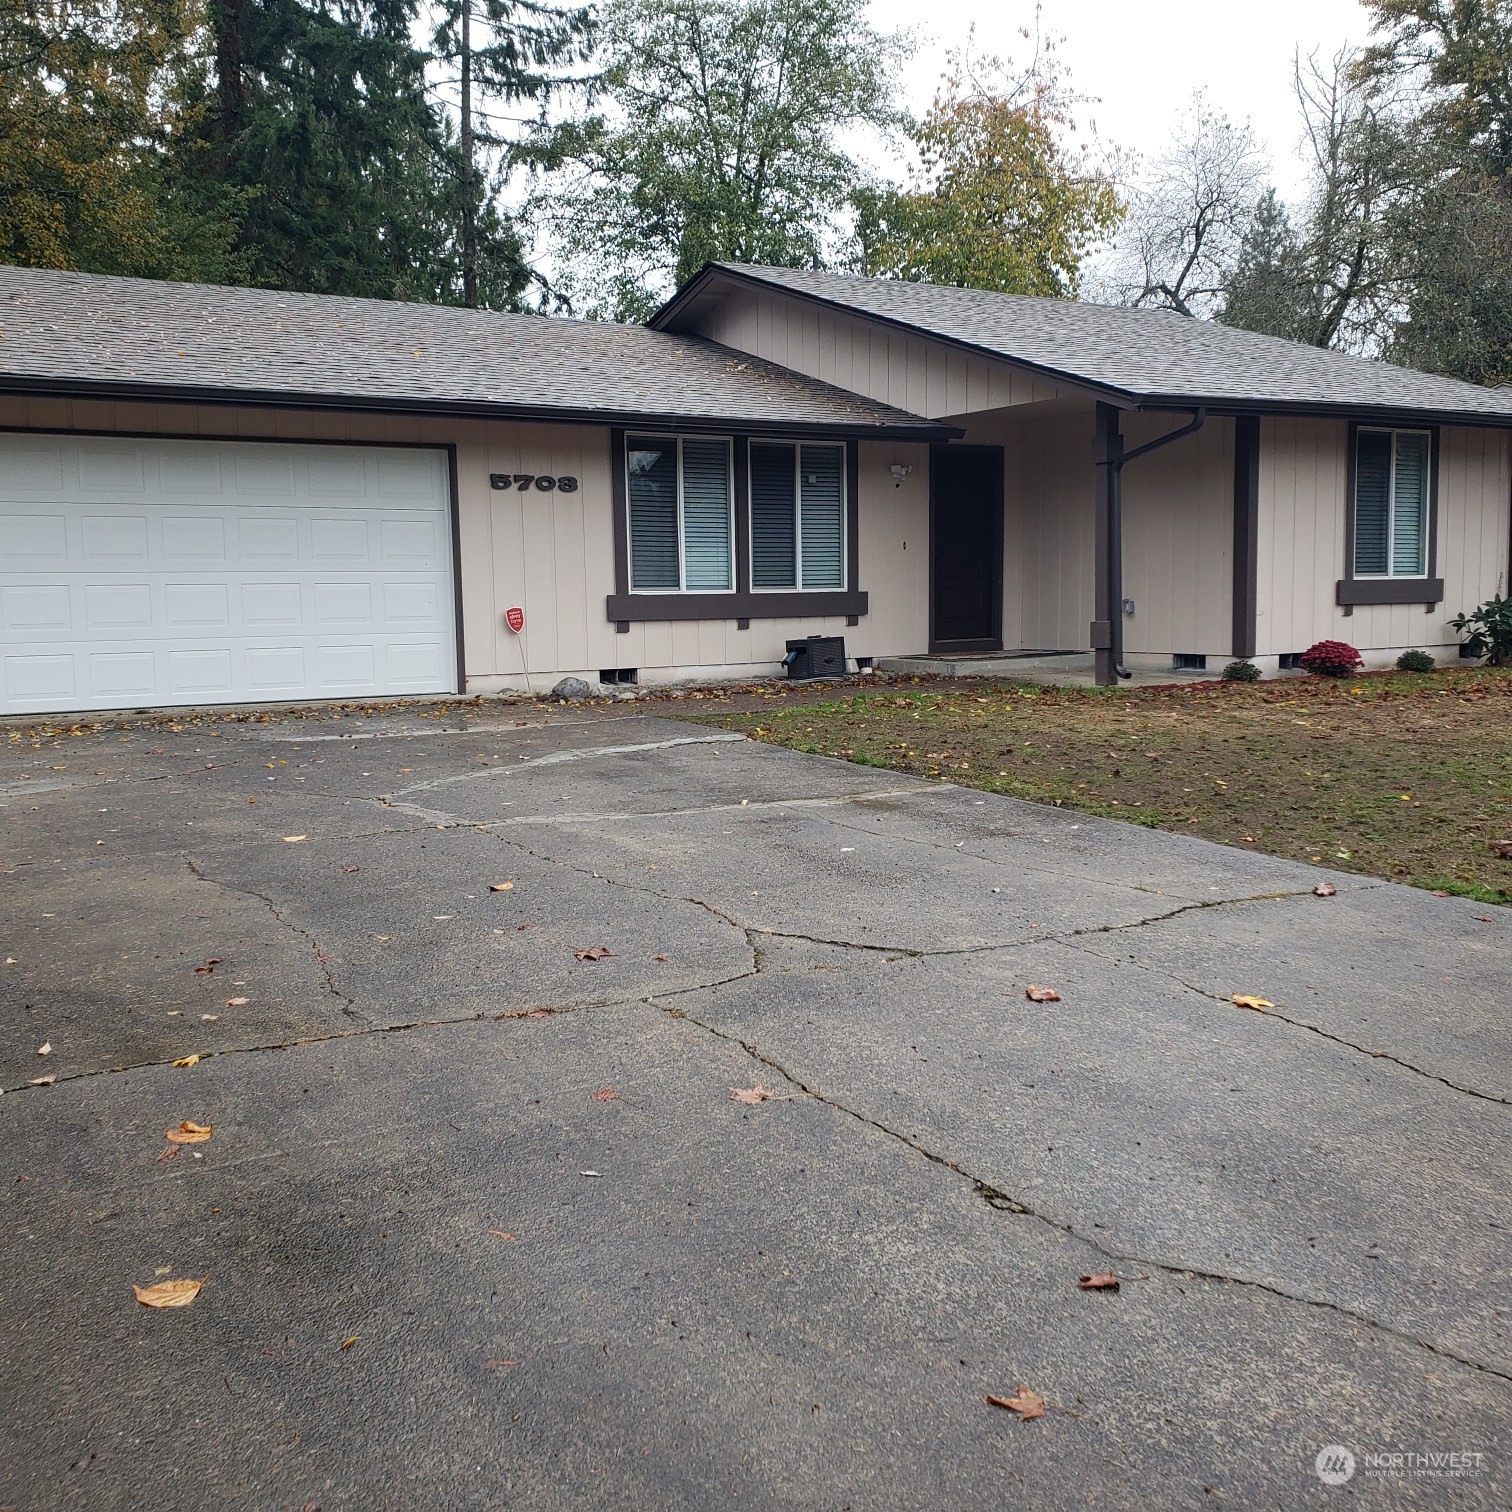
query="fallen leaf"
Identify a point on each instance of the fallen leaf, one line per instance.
(749, 1094)
(208, 969)
(294, 839)
(1042, 994)
(1483, 918)
(169, 1152)
(348, 1342)
(659, 958)
(1099, 1281)
(1324, 890)
(1259, 1004)
(45, 1049)
(594, 953)
(590, 1173)
(501, 887)
(169, 1293)
(350, 869)
(42, 1081)
(500, 1234)
(1503, 848)
(237, 1002)
(606, 1094)
(1026, 1403)
(188, 1060)
(500, 1364)
(189, 1133)
(208, 1018)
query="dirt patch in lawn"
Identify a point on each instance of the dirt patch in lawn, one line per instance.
(1400, 776)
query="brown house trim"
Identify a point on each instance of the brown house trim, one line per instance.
(1429, 590)
(1246, 535)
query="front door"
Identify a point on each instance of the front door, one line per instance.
(966, 548)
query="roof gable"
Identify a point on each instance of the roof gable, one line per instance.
(1141, 357)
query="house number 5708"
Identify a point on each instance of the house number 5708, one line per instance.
(543, 481)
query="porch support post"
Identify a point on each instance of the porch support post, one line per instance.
(1107, 596)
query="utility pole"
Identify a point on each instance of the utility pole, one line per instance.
(469, 197)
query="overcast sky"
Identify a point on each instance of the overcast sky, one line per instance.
(1144, 61)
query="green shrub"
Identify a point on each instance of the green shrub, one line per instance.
(1241, 671)
(1490, 629)
(1415, 661)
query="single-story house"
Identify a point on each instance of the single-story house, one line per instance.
(214, 495)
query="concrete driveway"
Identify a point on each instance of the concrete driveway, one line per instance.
(483, 1226)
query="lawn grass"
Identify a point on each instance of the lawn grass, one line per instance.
(1399, 775)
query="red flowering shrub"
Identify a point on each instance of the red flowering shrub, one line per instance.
(1331, 659)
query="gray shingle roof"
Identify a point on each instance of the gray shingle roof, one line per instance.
(83, 333)
(1151, 356)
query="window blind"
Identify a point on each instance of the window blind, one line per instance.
(1372, 503)
(821, 491)
(652, 496)
(774, 523)
(1409, 506)
(706, 514)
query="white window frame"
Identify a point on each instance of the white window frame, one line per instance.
(1429, 523)
(799, 586)
(682, 554)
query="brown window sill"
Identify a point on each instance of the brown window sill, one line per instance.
(635, 607)
(1390, 591)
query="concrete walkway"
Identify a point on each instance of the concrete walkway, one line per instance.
(483, 1226)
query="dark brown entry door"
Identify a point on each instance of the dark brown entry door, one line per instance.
(966, 548)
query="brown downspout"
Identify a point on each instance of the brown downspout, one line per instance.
(1107, 629)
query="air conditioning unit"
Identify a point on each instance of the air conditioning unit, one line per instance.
(817, 656)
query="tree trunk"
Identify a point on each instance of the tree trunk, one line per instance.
(469, 198)
(230, 85)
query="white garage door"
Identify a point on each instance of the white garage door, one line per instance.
(148, 573)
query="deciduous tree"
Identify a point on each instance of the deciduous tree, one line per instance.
(717, 133)
(1003, 198)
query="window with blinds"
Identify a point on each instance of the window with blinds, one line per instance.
(1391, 503)
(680, 508)
(797, 516)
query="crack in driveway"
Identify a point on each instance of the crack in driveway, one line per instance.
(348, 1006)
(1004, 1202)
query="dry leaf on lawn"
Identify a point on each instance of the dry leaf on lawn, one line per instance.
(1027, 1404)
(1042, 994)
(189, 1133)
(501, 887)
(749, 1094)
(1324, 890)
(594, 953)
(1099, 1281)
(1503, 848)
(606, 1094)
(1243, 1000)
(169, 1293)
(188, 1060)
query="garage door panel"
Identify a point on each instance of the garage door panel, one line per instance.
(328, 581)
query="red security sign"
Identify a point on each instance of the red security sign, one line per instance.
(515, 619)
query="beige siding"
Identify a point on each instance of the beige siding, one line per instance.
(1179, 540)
(1303, 506)
(913, 372)
(553, 554)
